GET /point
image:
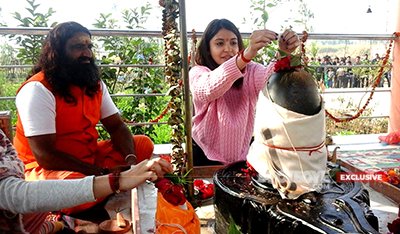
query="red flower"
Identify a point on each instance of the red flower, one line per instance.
(206, 190)
(198, 183)
(163, 184)
(282, 64)
(166, 157)
(173, 193)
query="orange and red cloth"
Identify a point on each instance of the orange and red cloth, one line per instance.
(392, 138)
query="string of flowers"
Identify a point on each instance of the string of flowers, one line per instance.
(303, 40)
(193, 48)
(158, 118)
(167, 108)
(173, 75)
(374, 85)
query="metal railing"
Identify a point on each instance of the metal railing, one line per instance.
(142, 33)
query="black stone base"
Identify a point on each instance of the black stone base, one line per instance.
(258, 208)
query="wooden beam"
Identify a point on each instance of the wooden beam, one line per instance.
(205, 171)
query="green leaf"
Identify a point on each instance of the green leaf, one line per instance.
(233, 227)
(295, 61)
(265, 16)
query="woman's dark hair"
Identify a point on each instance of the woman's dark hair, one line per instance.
(203, 54)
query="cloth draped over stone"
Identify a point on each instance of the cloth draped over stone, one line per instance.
(289, 148)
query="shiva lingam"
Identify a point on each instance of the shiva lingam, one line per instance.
(269, 193)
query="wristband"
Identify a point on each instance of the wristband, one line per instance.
(244, 58)
(113, 179)
(130, 156)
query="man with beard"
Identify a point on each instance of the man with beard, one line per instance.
(58, 108)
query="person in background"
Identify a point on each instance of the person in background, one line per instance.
(24, 205)
(224, 84)
(376, 59)
(59, 106)
(356, 72)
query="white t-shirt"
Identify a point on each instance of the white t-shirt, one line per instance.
(36, 107)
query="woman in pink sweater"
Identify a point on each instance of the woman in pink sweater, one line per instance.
(225, 84)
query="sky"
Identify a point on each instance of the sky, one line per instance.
(331, 16)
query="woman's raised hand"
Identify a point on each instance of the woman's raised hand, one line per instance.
(288, 41)
(258, 40)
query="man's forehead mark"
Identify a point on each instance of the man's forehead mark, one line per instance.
(81, 38)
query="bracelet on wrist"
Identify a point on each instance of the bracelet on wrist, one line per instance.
(130, 156)
(246, 60)
(113, 179)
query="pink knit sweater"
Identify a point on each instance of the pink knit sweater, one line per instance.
(224, 116)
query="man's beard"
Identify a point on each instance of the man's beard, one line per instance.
(84, 75)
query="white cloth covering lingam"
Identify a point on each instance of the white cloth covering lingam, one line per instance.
(288, 148)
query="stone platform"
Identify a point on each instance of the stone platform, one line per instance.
(382, 206)
(142, 203)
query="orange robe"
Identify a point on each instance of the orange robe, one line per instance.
(76, 135)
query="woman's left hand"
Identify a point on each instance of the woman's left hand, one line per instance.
(288, 41)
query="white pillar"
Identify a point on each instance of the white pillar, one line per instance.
(394, 115)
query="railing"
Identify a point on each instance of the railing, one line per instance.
(144, 33)
(141, 33)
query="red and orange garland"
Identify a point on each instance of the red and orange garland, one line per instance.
(374, 85)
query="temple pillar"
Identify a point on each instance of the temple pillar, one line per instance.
(394, 115)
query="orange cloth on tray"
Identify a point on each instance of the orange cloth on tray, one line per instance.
(392, 138)
(174, 219)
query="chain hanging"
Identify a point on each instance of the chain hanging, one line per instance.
(374, 85)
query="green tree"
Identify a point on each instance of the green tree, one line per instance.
(30, 45)
(131, 79)
(259, 12)
(303, 16)
(259, 15)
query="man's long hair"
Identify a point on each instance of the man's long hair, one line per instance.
(60, 71)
